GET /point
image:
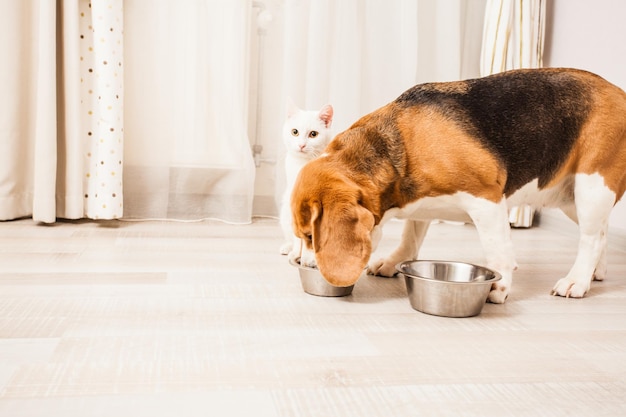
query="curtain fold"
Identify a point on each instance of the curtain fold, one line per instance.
(513, 36)
(27, 109)
(70, 177)
(44, 116)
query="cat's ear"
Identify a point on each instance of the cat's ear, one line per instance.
(326, 115)
(292, 109)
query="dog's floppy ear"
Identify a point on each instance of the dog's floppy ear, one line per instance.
(341, 240)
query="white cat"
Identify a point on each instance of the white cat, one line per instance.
(305, 135)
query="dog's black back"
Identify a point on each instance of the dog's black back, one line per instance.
(528, 119)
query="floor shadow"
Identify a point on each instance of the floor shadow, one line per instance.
(375, 289)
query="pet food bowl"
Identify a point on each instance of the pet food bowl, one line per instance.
(448, 289)
(314, 283)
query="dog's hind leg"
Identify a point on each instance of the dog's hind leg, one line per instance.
(412, 237)
(600, 272)
(594, 201)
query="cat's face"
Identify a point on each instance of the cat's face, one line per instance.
(307, 132)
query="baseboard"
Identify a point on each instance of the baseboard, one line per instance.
(558, 222)
(264, 206)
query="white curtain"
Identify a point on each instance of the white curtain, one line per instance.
(354, 54)
(146, 119)
(361, 54)
(513, 37)
(358, 55)
(60, 109)
(186, 110)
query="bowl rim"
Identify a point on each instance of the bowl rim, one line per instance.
(497, 276)
(310, 268)
(293, 262)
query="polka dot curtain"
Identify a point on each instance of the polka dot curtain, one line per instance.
(101, 124)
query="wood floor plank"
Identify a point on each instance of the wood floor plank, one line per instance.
(164, 318)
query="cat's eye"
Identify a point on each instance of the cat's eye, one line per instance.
(313, 134)
(295, 132)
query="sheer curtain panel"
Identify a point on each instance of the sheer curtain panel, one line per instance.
(187, 150)
(60, 109)
(355, 54)
(358, 55)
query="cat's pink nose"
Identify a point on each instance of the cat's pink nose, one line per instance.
(302, 147)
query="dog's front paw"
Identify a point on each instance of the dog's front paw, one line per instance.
(565, 287)
(308, 259)
(382, 267)
(498, 294)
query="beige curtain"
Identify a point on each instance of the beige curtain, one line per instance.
(513, 37)
(61, 128)
(162, 133)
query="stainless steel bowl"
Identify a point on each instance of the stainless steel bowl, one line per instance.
(314, 283)
(449, 289)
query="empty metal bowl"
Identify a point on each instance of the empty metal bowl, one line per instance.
(314, 283)
(449, 289)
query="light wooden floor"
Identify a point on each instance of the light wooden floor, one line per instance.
(206, 319)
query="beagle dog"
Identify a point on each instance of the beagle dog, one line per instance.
(463, 151)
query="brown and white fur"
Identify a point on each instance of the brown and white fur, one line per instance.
(462, 151)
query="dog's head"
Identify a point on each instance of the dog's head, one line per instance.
(329, 216)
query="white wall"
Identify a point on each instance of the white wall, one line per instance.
(591, 36)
